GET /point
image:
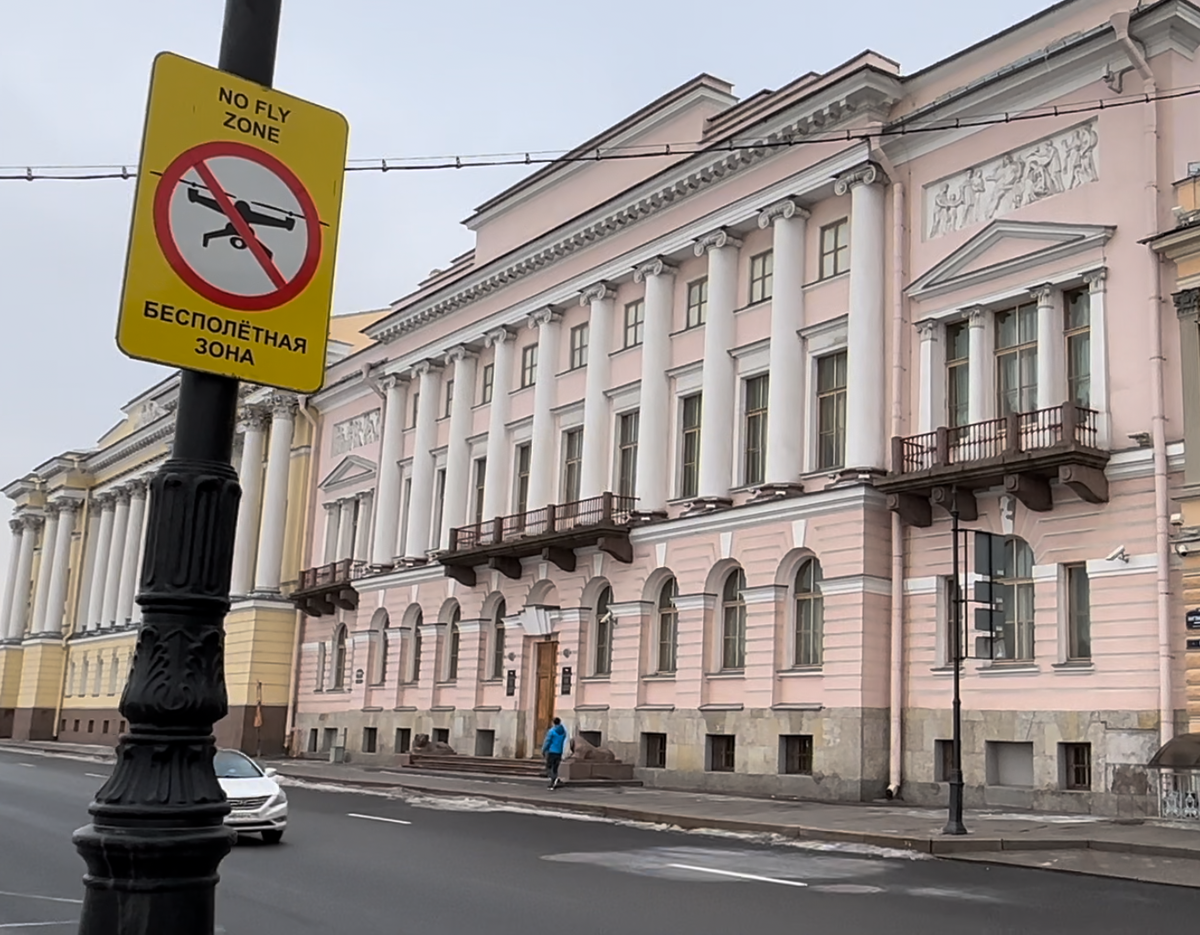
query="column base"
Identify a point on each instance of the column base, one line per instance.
(776, 492)
(704, 505)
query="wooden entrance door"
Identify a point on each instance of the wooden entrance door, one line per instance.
(547, 654)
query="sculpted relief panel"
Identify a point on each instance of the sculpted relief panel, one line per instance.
(1017, 178)
(356, 432)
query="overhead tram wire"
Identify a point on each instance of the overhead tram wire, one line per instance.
(85, 173)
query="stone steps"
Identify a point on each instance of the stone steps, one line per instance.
(493, 765)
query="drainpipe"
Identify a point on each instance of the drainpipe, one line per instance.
(896, 681)
(1166, 707)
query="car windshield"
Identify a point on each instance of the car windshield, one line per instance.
(230, 764)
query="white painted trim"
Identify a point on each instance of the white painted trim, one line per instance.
(1137, 565)
(856, 584)
(925, 585)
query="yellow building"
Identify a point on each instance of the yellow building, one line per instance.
(69, 618)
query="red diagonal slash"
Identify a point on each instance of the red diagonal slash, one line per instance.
(245, 231)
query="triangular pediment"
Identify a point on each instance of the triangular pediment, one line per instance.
(351, 470)
(1006, 247)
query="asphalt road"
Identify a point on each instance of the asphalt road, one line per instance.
(373, 865)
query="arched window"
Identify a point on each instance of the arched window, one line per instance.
(604, 628)
(733, 621)
(415, 669)
(452, 660)
(320, 681)
(1016, 597)
(810, 614)
(668, 619)
(498, 641)
(339, 659)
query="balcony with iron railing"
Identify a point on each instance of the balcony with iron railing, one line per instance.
(1022, 451)
(327, 588)
(552, 532)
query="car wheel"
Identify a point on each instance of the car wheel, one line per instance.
(272, 837)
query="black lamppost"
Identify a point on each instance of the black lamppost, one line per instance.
(157, 834)
(954, 821)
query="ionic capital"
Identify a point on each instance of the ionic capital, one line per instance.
(715, 241)
(1097, 279)
(1043, 294)
(597, 293)
(428, 366)
(459, 353)
(283, 405)
(781, 211)
(977, 317)
(656, 267)
(866, 174)
(544, 316)
(498, 336)
(927, 329)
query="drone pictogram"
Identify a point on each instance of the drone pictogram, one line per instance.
(248, 214)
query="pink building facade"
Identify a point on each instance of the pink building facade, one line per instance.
(670, 453)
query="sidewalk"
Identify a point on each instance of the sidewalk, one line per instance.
(1148, 852)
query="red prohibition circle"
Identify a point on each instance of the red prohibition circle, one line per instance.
(189, 159)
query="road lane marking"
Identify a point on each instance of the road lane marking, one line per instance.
(393, 821)
(28, 765)
(51, 899)
(95, 775)
(740, 876)
(31, 925)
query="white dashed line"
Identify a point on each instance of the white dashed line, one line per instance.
(31, 925)
(740, 876)
(49, 899)
(392, 821)
(95, 775)
(28, 765)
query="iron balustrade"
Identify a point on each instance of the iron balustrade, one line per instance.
(608, 509)
(332, 574)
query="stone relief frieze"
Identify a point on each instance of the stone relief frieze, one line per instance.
(356, 432)
(1020, 177)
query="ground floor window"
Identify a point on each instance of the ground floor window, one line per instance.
(720, 753)
(654, 750)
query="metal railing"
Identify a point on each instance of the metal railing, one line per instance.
(607, 509)
(977, 441)
(335, 573)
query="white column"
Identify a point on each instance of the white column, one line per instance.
(595, 468)
(654, 416)
(56, 595)
(495, 481)
(362, 533)
(1052, 385)
(932, 376)
(866, 365)
(981, 395)
(279, 458)
(785, 388)
(420, 505)
(107, 503)
(543, 459)
(10, 577)
(1098, 347)
(387, 499)
(45, 564)
(133, 547)
(720, 371)
(458, 454)
(251, 479)
(345, 536)
(18, 614)
(116, 555)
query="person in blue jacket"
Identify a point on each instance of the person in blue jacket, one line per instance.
(553, 748)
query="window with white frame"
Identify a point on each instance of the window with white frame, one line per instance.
(1079, 612)
(572, 473)
(416, 405)
(697, 303)
(320, 679)
(667, 627)
(529, 364)
(950, 594)
(1077, 312)
(627, 449)
(754, 431)
(521, 498)
(602, 656)
(338, 681)
(762, 275)
(454, 639)
(439, 505)
(1016, 600)
(487, 383)
(414, 668)
(958, 373)
(635, 322)
(689, 476)
(831, 411)
(579, 345)
(480, 479)
(809, 618)
(733, 621)
(496, 669)
(449, 399)
(1016, 359)
(835, 248)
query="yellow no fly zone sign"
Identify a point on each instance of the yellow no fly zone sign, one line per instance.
(235, 221)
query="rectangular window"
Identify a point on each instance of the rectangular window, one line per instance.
(689, 481)
(104, 728)
(439, 507)
(572, 464)
(441, 735)
(405, 506)
(762, 274)
(529, 362)
(314, 740)
(697, 303)
(579, 346)
(943, 760)
(449, 399)
(403, 739)
(1016, 360)
(521, 503)
(950, 594)
(1076, 760)
(721, 753)
(489, 380)
(796, 754)
(958, 374)
(416, 404)
(835, 248)
(329, 739)
(654, 751)
(635, 322)
(1077, 307)
(480, 479)
(627, 448)
(755, 431)
(1009, 763)
(1079, 613)
(370, 739)
(485, 743)
(831, 411)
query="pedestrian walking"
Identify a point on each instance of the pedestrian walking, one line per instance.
(553, 748)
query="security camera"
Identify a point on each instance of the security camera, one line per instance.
(1117, 555)
(1182, 549)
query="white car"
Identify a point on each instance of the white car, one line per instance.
(256, 802)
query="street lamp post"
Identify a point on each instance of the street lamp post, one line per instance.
(157, 834)
(954, 821)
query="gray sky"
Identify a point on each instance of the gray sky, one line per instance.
(476, 76)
